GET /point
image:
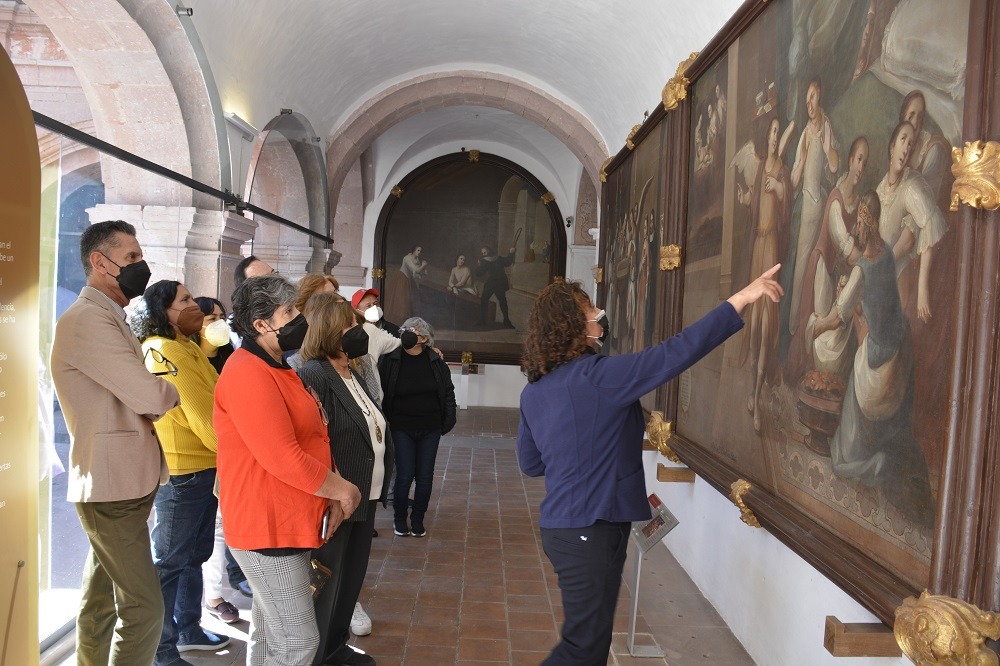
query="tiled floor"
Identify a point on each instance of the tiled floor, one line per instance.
(478, 588)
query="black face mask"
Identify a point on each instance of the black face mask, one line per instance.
(132, 278)
(292, 334)
(355, 343)
(408, 339)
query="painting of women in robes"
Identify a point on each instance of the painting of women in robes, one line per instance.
(874, 442)
(829, 267)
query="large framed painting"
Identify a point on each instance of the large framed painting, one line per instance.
(466, 242)
(633, 211)
(818, 134)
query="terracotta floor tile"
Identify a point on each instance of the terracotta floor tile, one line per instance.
(481, 649)
(471, 627)
(526, 587)
(491, 593)
(426, 655)
(533, 640)
(486, 611)
(439, 599)
(527, 658)
(435, 616)
(444, 635)
(525, 621)
(533, 604)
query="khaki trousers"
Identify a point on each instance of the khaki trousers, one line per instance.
(121, 612)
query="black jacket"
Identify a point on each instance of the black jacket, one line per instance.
(388, 369)
(350, 439)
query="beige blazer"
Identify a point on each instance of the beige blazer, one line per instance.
(109, 400)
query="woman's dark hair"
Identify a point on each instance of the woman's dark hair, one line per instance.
(857, 144)
(207, 305)
(150, 318)
(556, 329)
(910, 96)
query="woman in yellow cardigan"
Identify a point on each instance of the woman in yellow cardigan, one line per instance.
(184, 528)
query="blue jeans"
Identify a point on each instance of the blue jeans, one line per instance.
(415, 455)
(183, 537)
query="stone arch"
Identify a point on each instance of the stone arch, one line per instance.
(147, 97)
(429, 91)
(287, 176)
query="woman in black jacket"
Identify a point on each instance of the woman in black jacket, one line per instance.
(419, 401)
(362, 451)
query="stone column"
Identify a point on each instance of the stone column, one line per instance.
(236, 231)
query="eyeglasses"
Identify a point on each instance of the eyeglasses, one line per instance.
(319, 403)
(160, 359)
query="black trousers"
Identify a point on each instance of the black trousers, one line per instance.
(589, 562)
(484, 302)
(346, 555)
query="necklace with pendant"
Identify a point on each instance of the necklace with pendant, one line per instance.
(364, 408)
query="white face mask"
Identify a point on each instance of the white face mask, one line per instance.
(373, 314)
(217, 333)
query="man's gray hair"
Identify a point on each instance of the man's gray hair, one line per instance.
(259, 298)
(420, 327)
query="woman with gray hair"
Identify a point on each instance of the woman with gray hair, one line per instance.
(419, 403)
(278, 491)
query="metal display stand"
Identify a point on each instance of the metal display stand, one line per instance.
(647, 534)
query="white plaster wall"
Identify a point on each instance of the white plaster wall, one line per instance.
(773, 601)
(498, 386)
(579, 266)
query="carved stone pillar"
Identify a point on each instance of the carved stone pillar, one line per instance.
(236, 231)
(202, 262)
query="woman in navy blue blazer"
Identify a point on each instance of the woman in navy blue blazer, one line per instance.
(581, 427)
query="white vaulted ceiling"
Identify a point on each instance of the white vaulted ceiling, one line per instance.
(607, 59)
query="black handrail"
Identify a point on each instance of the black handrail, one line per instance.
(69, 132)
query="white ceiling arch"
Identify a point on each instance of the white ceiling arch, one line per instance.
(417, 140)
(324, 58)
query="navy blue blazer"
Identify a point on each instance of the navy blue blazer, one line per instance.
(582, 424)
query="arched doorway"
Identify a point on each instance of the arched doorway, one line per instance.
(287, 176)
(443, 252)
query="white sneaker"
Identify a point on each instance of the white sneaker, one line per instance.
(361, 624)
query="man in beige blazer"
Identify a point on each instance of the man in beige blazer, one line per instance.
(110, 401)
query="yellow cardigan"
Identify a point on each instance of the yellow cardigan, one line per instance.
(186, 432)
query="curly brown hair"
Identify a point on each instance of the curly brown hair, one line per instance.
(556, 329)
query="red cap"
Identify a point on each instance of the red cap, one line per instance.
(361, 293)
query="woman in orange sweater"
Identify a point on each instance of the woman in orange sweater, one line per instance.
(276, 476)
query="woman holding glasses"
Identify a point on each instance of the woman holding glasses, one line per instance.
(277, 478)
(184, 527)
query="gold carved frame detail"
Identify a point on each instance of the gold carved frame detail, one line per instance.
(670, 257)
(378, 273)
(676, 88)
(547, 198)
(941, 630)
(740, 487)
(659, 431)
(397, 191)
(473, 155)
(604, 169)
(629, 143)
(977, 175)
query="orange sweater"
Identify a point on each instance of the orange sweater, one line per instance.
(274, 453)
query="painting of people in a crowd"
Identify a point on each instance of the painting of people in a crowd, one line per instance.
(838, 117)
(468, 247)
(633, 220)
